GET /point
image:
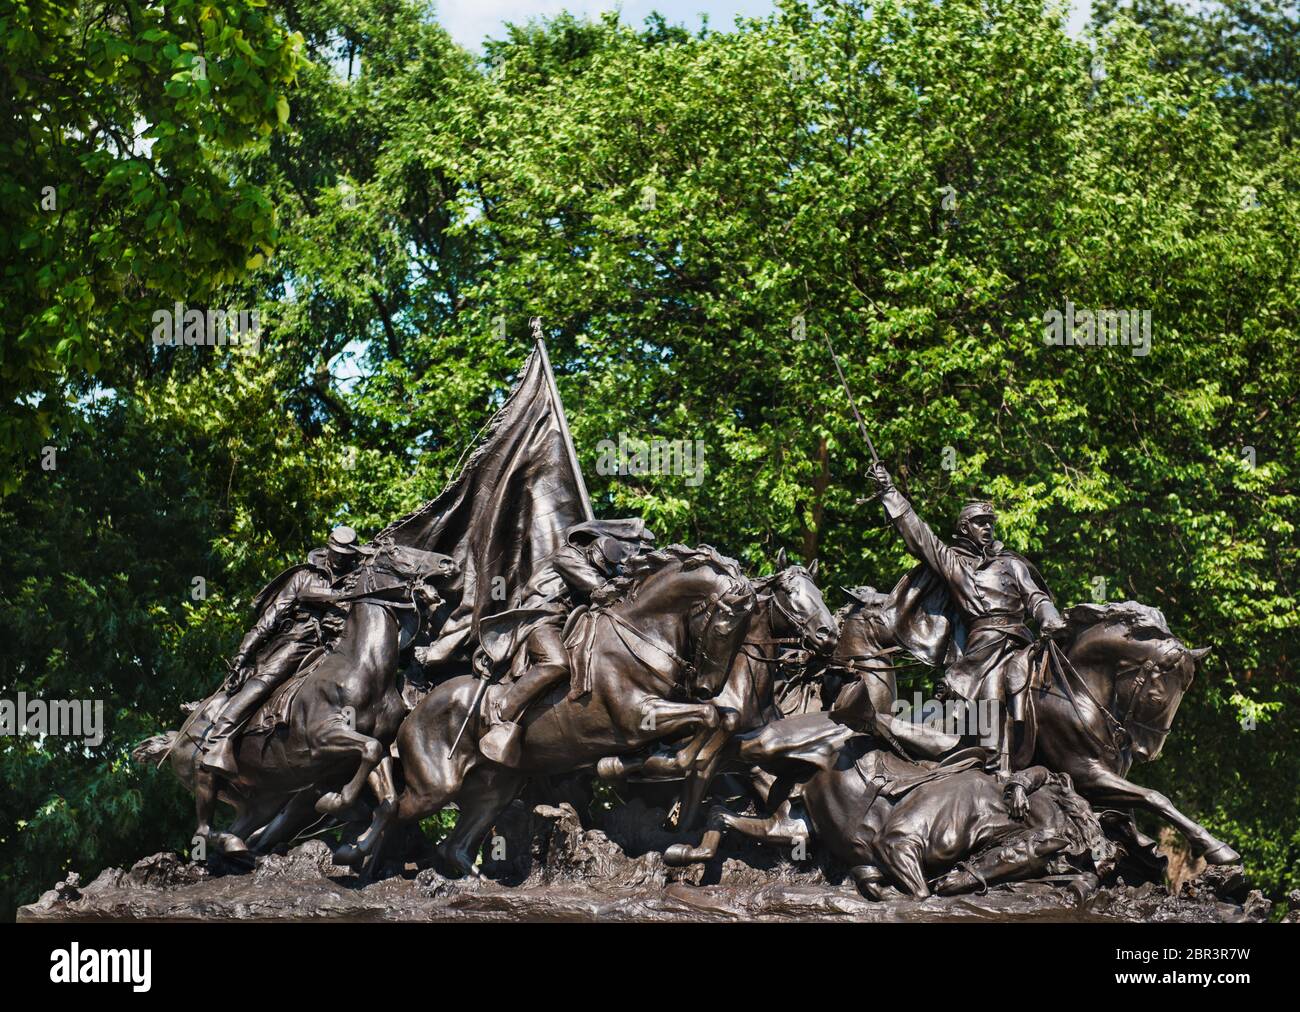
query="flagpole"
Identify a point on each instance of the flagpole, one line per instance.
(536, 322)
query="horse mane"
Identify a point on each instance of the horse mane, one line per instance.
(646, 564)
(1141, 620)
(763, 584)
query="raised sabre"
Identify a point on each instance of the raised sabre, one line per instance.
(845, 383)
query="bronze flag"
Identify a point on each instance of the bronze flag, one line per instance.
(507, 510)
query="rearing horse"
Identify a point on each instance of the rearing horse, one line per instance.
(655, 647)
(1113, 702)
(790, 613)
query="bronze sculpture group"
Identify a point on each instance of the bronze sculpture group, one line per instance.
(546, 643)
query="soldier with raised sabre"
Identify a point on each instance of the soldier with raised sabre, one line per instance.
(996, 593)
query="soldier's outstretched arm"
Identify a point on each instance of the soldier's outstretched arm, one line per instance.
(916, 533)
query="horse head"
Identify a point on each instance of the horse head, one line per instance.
(798, 610)
(861, 631)
(1136, 667)
(408, 563)
(718, 621)
(402, 573)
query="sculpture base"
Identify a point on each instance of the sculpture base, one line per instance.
(562, 872)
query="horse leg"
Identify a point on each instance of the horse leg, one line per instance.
(698, 760)
(683, 853)
(297, 813)
(782, 827)
(902, 853)
(411, 805)
(382, 783)
(700, 779)
(664, 719)
(433, 778)
(620, 767)
(225, 843)
(1105, 787)
(339, 740)
(205, 802)
(385, 788)
(667, 718)
(870, 881)
(485, 795)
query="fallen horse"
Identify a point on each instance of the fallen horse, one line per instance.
(947, 827)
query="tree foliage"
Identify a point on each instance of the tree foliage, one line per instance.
(117, 116)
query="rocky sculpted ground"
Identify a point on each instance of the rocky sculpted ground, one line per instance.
(559, 871)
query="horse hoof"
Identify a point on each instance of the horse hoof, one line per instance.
(955, 883)
(1222, 854)
(234, 850)
(348, 856)
(450, 865)
(678, 855)
(330, 804)
(610, 768)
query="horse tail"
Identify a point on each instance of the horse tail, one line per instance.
(155, 749)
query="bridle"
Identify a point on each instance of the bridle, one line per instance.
(404, 592)
(772, 599)
(725, 600)
(1138, 694)
(1120, 718)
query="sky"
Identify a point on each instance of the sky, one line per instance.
(469, 21)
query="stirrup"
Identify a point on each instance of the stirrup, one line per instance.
(503, 743)
(220, 758)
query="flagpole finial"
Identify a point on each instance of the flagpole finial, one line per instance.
(536, 323)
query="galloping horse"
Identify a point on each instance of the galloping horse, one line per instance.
(341, 715)
(790, 613)
(1114, 702)
(655, 648)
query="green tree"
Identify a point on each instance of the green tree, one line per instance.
(116, 115)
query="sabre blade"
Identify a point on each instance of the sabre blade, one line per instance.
(852, 404)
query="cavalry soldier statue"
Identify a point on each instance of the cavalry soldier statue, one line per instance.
(294, 620)
(593, 552)
(990, 594)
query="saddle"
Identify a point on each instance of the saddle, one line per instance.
(274, 712)
(893, 777)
